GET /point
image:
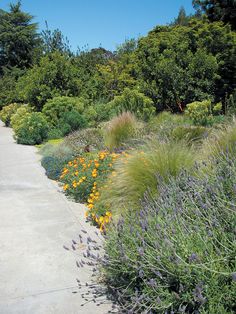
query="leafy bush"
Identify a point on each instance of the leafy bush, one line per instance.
(54, 75)
(55, 157)
(134, 102)
(55, 133)
(7, 112)
(202, 112)
(199, 112)
(90, 138)
(74, 120)
(138, 172)
(18, 117)
(33, 129)
(98, 112)
(55, 108)
(177, 253)
(120, 129)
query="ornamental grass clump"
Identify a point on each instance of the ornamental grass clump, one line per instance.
(176, 254)
(137, 172)
(119, 130)
(223, 140)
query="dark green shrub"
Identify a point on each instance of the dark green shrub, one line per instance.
(55, 108)
(55, 133)
(134, 102)
(7, 112)
(74, 120)
(177, 254)
(33, 129)
(98, 112)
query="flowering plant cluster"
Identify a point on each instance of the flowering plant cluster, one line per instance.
(177, 253)
(83, 179)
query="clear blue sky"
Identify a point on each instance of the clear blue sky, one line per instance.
(102, 22)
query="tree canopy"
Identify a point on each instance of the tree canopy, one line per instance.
(218, 10)
(191, 59)
(18, 38)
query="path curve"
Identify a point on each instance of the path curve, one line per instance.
(37, 276)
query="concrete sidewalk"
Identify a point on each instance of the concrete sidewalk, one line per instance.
(36, 274)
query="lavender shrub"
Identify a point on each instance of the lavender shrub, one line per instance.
(177, 253)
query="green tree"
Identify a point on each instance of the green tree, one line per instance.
(87, 63)
(8, 92)
(182, 18)
(18, 38)
(55, 75)
(218, 10)
(54, 40)
(113, 78)
(178, 64)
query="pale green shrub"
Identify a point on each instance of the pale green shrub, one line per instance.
(19, 116)
(7, 112)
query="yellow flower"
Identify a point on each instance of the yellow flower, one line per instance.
(74, 184)
(106, 219)
(94, 173)
(70, 163)
(65, 187)
(90, 206)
